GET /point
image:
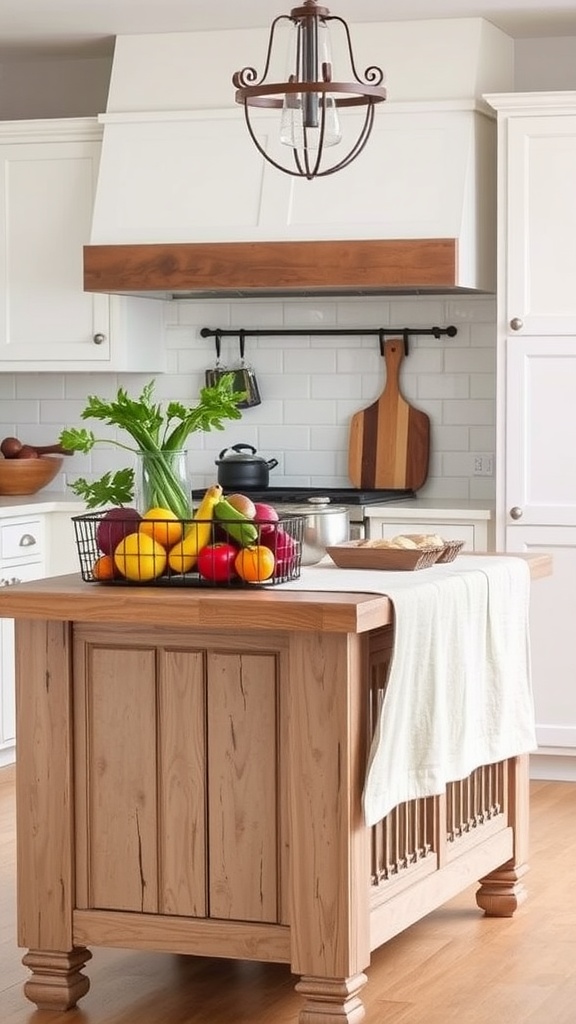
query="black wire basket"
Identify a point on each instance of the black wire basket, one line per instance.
(119, 547)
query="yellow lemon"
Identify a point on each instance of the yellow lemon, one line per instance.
(162, 525)
(140, 557)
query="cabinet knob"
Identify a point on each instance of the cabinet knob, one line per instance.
(516, 323)
(516, 512)
(99, 339)
(27, 540)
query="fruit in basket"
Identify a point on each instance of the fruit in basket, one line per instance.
(265, 516)
(255, 564)
(140, 558)
(265, 513)
(238, 527)
(216, 562)
(183, 555)
(242, 503)
(115, 524)
(104, 568)
(162, 525)
(283, 547)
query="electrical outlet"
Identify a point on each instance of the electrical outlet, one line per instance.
(483, 464)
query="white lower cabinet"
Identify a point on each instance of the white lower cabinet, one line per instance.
(552, 605)
(475, 530)
(31, 547)
(21, 558)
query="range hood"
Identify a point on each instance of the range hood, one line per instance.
(267, 269)
(185, 207)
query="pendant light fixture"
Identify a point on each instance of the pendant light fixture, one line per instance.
(310, 100)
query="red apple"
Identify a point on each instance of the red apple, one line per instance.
(266, 517)
(265, 513)
(283, 547)
(114, 526)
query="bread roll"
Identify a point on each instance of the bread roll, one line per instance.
(402, 541)
(427, 540)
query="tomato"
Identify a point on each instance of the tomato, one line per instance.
(216, 562)
(255, 563)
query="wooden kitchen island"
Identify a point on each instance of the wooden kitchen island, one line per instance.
(190, 766)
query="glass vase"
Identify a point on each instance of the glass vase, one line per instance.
(161, 481)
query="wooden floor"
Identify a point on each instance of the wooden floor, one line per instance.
(455, 965)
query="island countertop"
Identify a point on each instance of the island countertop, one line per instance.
(69, 598)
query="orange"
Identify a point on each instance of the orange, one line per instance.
(162, 525)
(140, 557)
(255, 563)
(104, 568)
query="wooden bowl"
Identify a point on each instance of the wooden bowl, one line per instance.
(26, 476)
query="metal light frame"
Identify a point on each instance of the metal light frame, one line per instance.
(367, 92)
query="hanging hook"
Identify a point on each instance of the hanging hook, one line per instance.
(242, 343)
(405, 335)
(382, 340)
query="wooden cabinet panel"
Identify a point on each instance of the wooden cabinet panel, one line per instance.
(182, 783)
(148, 841)
(243, 804)
(122, 821)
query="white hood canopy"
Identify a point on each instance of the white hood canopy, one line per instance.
(186, 207)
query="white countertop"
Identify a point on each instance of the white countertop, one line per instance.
(433, 508)
(43, 501)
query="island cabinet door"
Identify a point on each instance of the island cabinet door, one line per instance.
(179, 776)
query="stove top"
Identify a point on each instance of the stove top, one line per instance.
(338, 495)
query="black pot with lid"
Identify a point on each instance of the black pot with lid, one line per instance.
(239, 467)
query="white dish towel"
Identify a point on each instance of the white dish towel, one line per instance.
(459, 690)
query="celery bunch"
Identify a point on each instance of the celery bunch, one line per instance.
(155, 432)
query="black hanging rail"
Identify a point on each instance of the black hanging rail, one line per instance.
(379, 332)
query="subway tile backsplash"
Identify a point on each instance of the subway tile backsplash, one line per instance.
(310, 387)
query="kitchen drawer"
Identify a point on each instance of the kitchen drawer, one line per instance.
(21, 540)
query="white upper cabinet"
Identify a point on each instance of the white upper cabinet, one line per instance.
(537, 140)
(48, 173)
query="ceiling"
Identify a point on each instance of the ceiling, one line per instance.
(35, 28)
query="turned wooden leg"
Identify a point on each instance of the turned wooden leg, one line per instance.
(57, 982)
(332, 1000)
(502, 891)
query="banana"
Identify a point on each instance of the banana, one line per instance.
(235, 523)
(183, 555)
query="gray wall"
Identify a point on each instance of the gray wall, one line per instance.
(53, 88)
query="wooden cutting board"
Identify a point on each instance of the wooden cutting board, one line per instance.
(390, 440)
